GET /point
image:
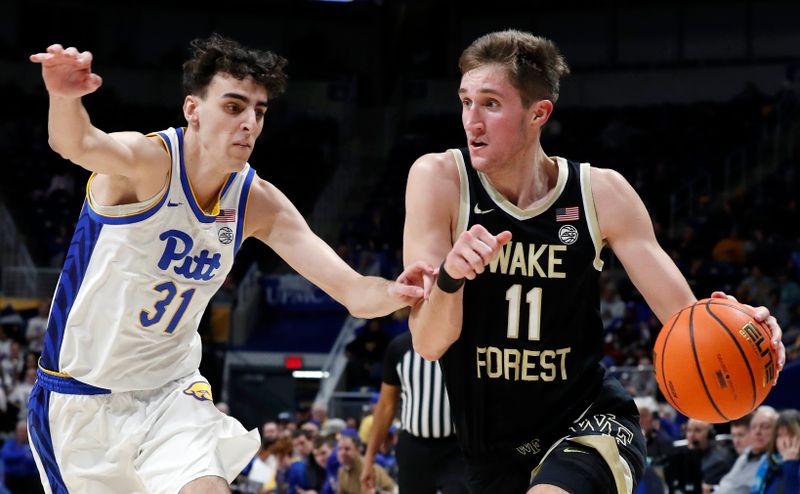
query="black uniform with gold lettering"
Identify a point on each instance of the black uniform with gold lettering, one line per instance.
(524, 377)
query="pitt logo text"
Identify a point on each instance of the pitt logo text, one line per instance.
(178, 248)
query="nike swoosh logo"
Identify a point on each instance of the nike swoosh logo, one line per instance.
(571, 450)
(478, 210)
(173, 204)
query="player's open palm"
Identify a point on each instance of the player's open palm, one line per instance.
(67, 72)
(474, 249)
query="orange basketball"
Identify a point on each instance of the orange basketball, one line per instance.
(713, 361)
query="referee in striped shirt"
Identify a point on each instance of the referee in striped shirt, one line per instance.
(428, 456)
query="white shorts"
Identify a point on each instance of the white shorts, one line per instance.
(153, 441)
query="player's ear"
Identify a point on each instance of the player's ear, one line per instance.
(541, 111)
(190, 110)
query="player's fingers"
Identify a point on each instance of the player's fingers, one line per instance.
(474, 260)
(85, 58)
(427, 285)
(724, 295)
(410, 291)
(95, 81)
(478, 230)
(55, 49)
(40, 57)
(503, 237)
(72, 51)
(461, 268)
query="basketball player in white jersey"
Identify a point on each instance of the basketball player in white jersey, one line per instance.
(514, 318)
(119, 405)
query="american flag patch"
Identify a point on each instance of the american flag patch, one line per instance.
(568, 214)
(226, 216)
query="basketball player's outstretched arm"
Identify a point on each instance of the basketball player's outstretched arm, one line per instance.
(274, 220)
(432, 202)
(625, 224)
(67, 74)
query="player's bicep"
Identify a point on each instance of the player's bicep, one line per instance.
(626, 226)
(126, 154)
(430, 197)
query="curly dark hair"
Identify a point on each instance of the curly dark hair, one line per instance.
(534, 64)
(217, 54)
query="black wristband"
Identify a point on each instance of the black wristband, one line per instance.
(447, 283)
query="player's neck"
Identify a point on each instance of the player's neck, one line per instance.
(205, 178)
(528, 179)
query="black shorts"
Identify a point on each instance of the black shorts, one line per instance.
(601, 452)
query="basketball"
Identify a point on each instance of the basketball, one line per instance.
(713, 361)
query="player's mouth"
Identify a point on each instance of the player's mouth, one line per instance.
(476, 144)
(242, 144)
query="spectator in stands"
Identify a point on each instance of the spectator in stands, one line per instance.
(280, 454)
(779, 470)
(21, 475)
(323, 446)
(612, 307)
(312, 428)
(659, 443)
(349, 453)
(759, 286)
(739, 480)
(700, 462)
(21, 392)
(365, 356)
(37, 327)
(714, 461)
(319, 414)
(13, 365)
(304, 473)
(740, 433)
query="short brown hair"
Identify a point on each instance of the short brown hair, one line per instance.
(534, 65)
(217, 54)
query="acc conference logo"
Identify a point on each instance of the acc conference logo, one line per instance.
(199, 390)
(225, 235)
(568, 234)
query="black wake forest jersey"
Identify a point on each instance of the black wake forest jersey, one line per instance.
(527, 360)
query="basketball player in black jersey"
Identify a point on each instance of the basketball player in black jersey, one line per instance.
(514, 319)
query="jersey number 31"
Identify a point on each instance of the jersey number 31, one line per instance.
(147, 319)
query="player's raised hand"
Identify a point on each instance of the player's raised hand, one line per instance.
(67, 72)
(761, 314)
(473, 250)
(414, 283)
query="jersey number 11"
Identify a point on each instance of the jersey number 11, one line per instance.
(534, 300)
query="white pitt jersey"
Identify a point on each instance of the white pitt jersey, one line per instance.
(134, 286)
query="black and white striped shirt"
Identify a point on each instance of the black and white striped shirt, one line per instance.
(426, 407)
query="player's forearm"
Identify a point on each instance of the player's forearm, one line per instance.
(436, 323)
(369, 297)
(68, 126)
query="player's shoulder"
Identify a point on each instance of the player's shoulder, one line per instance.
(433, 168)
(607, 181)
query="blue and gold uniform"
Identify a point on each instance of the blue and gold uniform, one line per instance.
(122, 340)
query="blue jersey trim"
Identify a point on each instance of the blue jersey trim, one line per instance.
(87, 231)
(143, 215)
(187, 188)
(67, 385)
(228, 184)
(245, 193)
(39, 431)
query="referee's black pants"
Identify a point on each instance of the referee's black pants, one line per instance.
(426, 466)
